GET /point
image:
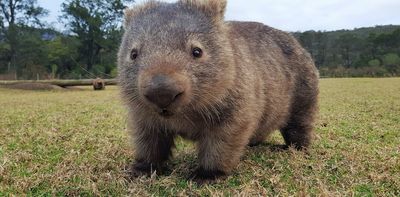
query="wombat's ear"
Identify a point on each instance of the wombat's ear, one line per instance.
(128, 16)
(213, 8)
(131, 13)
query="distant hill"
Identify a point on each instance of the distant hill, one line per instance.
(365, 31)
(362, 32)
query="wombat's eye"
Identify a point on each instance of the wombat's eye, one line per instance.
(197, 52)
(134, 54)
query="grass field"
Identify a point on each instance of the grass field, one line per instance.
(75, 143)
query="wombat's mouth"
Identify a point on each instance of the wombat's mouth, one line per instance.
(165, 113)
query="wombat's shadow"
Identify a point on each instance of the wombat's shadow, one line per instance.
(267, 146)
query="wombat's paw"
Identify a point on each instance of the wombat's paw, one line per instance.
(257, 140)
(254, 143)
(140, 168)
(202, 176)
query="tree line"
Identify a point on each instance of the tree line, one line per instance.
(363, 52)
(32, 49)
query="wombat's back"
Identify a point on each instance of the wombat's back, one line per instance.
(276, 47)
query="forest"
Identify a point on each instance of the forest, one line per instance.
(30, 48)
(362, 52)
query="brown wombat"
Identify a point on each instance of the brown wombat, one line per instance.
(184, 71)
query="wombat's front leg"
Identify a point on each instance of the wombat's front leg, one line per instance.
(152, 149)
(219, 152)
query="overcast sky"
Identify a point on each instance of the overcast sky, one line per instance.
(297, 15)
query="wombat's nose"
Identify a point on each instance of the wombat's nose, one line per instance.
(162, 91)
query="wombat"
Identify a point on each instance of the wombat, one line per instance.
(184, 71)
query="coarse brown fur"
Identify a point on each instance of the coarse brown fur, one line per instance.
(250, 80)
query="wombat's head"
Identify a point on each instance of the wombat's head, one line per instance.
(175, 57)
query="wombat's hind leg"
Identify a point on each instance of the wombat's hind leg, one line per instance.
(297, 135)
(299, 129)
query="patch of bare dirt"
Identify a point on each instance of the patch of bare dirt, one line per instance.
(34, 86)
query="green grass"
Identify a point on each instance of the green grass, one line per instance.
(57, 143)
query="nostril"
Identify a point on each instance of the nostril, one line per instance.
(178, 96)
(148, 97)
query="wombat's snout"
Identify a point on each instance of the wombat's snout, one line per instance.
(163, 91)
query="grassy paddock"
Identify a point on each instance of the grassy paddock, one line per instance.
(75, 143)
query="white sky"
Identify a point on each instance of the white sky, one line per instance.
(297, 15)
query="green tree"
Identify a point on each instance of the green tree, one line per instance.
(374, 62)
(32, 53)
(62, 53)
(307, 40)
(391, 59)
(321, 42)
(15, 14)
(94, 22)
(392, 63)
(348, 46)
(1, 25)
